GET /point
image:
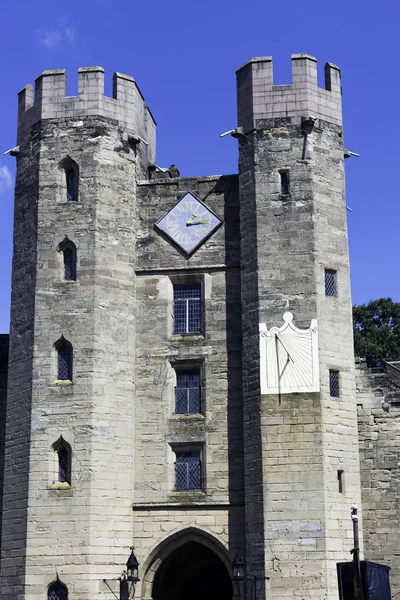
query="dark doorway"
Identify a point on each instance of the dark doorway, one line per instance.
(192, 572)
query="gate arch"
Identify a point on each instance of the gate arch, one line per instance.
(190, 543)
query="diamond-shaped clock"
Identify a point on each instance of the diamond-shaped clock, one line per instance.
(189, 223)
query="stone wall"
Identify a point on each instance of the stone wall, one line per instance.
(3, 406)
(378, 401)
(296, 444)
(81, 531)
(20, 371)
(218, 429)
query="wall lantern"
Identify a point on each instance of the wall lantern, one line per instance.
(132, 568)
(238, 567)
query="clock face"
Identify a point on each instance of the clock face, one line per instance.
(189, 223)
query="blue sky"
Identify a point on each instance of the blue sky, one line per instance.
(184, 55)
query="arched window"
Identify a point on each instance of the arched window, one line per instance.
(57, 591)
(68, 250)
(71, 171)
(62, 471)
(64, 360)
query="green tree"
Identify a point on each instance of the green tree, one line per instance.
(377, 331)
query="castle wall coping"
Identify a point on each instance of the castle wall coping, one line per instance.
(197, 269)
(256, 59)
(175, 180)
(300, 56)
(91, 70)
(184, 507)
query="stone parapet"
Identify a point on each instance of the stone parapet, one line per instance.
(50, 101)
(259, 98)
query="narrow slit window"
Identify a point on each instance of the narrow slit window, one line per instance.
(69, 259)
(69, 264)
(57, 591)
(72, 184)
(188, 392)
(330, 282)
(340, 476)
(334, 383)
(285, 184)
(64, 362)
(70, 170)
(187, 308)
(188, 471)
(63, 465)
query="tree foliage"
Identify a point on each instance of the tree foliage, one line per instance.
(377, 331)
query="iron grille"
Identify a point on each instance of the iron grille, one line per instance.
(69, 265)
(63, 465)
(334, 384)
(188, 392)
(65, 362)
(188, 471)
(187, 308)
(330, 282)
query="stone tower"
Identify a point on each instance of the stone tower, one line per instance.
(196, 401)
(300, 441)
(85, 146)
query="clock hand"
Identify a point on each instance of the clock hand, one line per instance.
(193, 216)
(199, 221)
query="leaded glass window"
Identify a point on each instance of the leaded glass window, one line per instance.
(188, 392)
(57, 591)
(330, 282)
(187, 308)
(69, 264)
(188, 470)
(334, 391)
(65, 362)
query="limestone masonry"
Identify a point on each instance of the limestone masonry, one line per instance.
(148, 311)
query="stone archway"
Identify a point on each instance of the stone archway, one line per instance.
(190, 565)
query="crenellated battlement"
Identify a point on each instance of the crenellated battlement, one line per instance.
(258, 98)
(49, 101)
